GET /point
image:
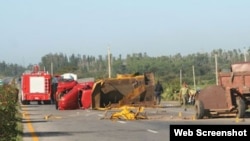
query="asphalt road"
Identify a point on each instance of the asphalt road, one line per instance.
(45, 123)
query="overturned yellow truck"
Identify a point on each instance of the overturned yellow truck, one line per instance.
(126, 89)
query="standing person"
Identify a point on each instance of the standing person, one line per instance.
(158, 91)
(54, 89)
(184, 93)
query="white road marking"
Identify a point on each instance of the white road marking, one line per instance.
(90, 114)
(152, 131)
(100, 115)
(123, 122)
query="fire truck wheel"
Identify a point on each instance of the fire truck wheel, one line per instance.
(199, 109)
(241, 107)
(24, 102)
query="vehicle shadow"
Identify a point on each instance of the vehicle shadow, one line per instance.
(247, 115)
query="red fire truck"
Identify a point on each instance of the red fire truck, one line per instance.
(36, 86)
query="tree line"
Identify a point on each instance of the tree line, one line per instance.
(166, 69)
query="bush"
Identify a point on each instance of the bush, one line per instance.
(8, 112)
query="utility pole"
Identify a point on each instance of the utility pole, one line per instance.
(109, 63)
(194, 78)
(180, 77)
(245, 56)
(216, 69)
(51, 67)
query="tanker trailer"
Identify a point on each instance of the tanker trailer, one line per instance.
(231, 97)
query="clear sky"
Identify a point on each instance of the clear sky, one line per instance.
(30, 29)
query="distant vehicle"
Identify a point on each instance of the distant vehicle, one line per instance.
(36, 86)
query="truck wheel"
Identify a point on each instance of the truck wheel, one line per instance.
(24, 102)
(58, 97)
(241, 107)
(47, 102)
(199, 109)
(56, 104)
(80, 99)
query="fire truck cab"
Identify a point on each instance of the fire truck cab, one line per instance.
(36, 86)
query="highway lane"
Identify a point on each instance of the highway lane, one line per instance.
(45, 123)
